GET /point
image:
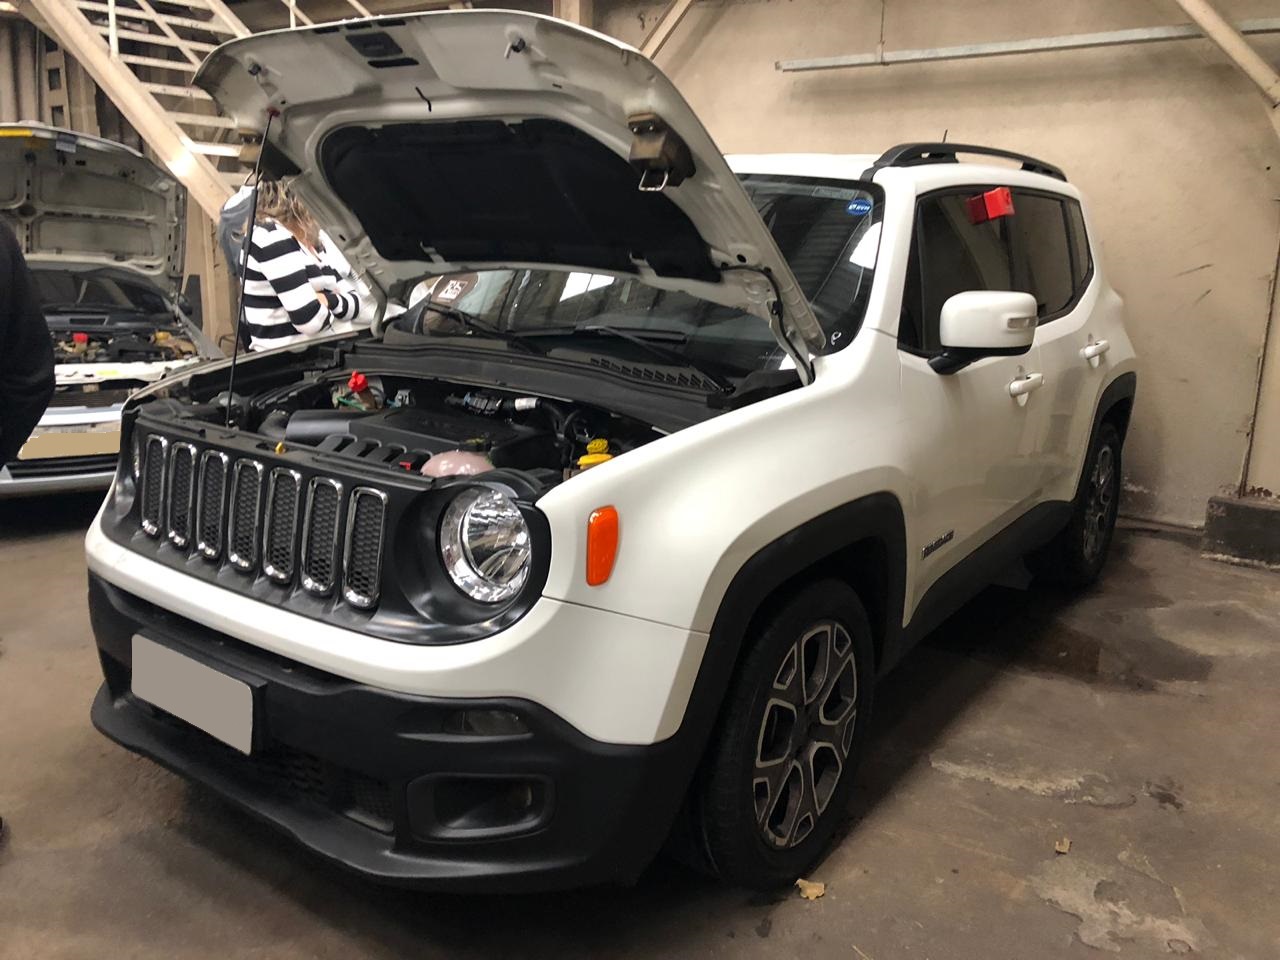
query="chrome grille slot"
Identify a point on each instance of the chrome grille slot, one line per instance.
(362, 555)
(211, 510)
(280, 528)
(154, 470)
(245, 511)
(319, 552)
(182, 493)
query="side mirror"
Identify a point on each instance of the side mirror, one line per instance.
(984, 323)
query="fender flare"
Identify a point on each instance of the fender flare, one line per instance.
(1122, 388)
(877, 517)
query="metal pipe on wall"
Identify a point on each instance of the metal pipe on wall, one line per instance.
(1005, 48)
(8, 84)
(1250, 62)
(1235, 46)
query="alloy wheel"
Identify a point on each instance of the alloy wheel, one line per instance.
(805, 734)
(1098, 508)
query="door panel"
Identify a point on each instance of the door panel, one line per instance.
(1052, 262)
(976, 459)
(978, 447)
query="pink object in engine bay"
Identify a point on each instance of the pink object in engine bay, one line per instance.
(456, 463)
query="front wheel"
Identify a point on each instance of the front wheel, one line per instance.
(778, 776)
(1076, 555)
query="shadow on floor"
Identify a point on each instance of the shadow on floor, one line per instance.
(22, 518)
(1000, 630)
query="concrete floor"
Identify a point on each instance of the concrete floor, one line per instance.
(1140, 721)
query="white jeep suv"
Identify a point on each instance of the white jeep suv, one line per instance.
(609, 537)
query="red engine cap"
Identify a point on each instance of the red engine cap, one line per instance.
(358, 382)
(79, 338)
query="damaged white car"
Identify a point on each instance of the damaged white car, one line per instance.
(101, 228)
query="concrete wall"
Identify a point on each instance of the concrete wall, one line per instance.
(1169, 142)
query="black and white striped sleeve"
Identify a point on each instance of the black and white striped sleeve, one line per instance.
(333, 276)
(344, 303)
(283, 263)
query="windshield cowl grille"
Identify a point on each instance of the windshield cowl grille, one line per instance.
(656, 374)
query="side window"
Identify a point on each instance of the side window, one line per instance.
(1081, 258)
(1043, 265)
(950, 254)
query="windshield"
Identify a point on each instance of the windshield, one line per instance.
(64, 290)
(828, 231)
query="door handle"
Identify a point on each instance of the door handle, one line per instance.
(1019, 389)
(1094, 350)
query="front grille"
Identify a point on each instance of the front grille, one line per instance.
(268, 520)
(245, 510)
(211, 511)
(182, 492)
(362, 558)
(153, 485)
(320, 536)
(79, 397)
(281, 524)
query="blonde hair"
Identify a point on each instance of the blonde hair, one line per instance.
(276, 201)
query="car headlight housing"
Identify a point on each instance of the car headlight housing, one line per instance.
(484, 543)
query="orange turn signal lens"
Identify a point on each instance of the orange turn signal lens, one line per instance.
(602, 544)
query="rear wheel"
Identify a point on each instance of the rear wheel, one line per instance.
(780, 770)
(1076, 556)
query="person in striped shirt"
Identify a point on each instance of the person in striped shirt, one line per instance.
(294, 287)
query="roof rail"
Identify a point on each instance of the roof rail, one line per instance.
(912, 154)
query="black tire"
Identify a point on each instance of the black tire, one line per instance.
(1075, 557)
(743, 786)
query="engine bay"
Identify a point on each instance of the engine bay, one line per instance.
(432, 427)
(112, 346)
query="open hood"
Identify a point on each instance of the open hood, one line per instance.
(90, 201)
(478, 139)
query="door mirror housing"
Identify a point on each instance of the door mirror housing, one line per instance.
(984, 323)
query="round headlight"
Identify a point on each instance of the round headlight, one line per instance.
(484, 543)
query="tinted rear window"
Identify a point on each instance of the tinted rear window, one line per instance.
(1043, 265)
(1082, 261)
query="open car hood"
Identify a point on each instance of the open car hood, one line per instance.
(90, 201)
(481, 139)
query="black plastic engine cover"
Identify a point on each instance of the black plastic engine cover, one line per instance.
(435, 431)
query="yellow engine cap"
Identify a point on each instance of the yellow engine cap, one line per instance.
(593, 460)
(598, 445)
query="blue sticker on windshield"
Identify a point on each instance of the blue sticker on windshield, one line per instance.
(858, 207)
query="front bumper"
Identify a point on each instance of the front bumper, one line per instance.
(375, 780)
(59, 475)
(86, 442)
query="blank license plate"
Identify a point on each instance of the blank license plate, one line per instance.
(220, 705)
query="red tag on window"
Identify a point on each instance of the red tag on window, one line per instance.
(990, 205)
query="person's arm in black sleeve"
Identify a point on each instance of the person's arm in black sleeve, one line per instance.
(26, 350)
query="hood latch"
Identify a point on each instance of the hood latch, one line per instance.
(658, 153)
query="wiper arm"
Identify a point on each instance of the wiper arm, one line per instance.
(724, 384)
(472, 322)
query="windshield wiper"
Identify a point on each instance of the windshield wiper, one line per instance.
(474, 323)
(724, 384)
